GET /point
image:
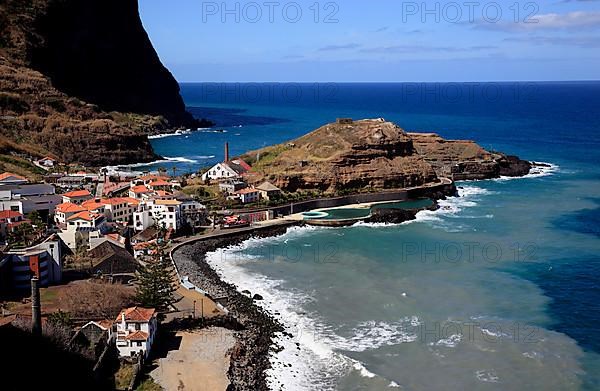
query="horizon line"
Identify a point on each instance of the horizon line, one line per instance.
(396, 82)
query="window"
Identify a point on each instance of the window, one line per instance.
(138, 326)
(139, 344)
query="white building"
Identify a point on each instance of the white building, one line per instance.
(136, 330)
(64, 211)
(227, 170)
(167, 213)
(118, 209)
(43, 260)
(47, 162)
(246, 196)
(28, 198)
(78, 228)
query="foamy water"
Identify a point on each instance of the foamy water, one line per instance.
(359, 323)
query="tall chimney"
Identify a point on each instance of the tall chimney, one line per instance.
(226, 152)
(36, 308)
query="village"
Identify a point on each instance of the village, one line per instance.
(82, 252)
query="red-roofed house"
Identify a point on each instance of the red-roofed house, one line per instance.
(8, 178)
(76, 234)
(136, 329)
(64, 211)
(246, 195)
(77, 196)
(138, 192)
(9, 220)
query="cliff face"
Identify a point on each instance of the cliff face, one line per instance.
(463, 159)
(80, 80)
(99, 51)
(364, 154)
(375, 154)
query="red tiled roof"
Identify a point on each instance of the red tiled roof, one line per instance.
(85, 215)
(120, 200)
(6, 175)
(140, 189)
(9, 214)
(68, 207)
(159, 183)
(77, 193)
(137, 314)
(138, 336)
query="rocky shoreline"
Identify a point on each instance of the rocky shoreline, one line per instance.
(257, 337)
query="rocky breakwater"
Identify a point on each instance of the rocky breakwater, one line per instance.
(257, 338)
(465, 160)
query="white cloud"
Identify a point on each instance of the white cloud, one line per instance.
(570, 21)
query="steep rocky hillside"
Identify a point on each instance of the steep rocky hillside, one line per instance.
(374, 154)
(79, 79)
(464, 159)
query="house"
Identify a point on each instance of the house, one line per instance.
(43, 260)
(8, 178)
(231, 186)
(268, 190)
(193, 213)
(148, 178)
(159, 185)
(77, 196)
(47, 162)
(64, 211)
(94, 337)
(139, 191)
(228, 169)
(78, 228)
(246, 196)
(167, 213)
(9, 220)
(136, 329)
(118, 209)
(110, 258)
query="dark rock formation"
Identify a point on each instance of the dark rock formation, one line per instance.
(98, 51)
(464, 159)
(80, 80)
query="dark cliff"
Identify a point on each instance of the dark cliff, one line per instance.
(99, 51)
(80, 80)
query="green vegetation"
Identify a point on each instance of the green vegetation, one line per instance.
(124, 376)
(148, 384)
(156, 279)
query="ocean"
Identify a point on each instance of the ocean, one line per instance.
(498, 290)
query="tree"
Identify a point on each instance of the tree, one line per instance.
(156, 280)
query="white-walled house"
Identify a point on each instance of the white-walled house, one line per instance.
(136, 331)
(167, 213)
(226, 170)
(76, 196)
(247, 195)
(64, 211)
(77, 231)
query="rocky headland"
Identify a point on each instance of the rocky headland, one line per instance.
(80, 81)
(374, 154)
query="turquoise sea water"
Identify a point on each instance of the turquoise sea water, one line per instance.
(499, 290)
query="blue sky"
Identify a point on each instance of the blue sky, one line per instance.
(382, 40)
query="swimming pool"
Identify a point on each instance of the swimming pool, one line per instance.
(361, 213)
